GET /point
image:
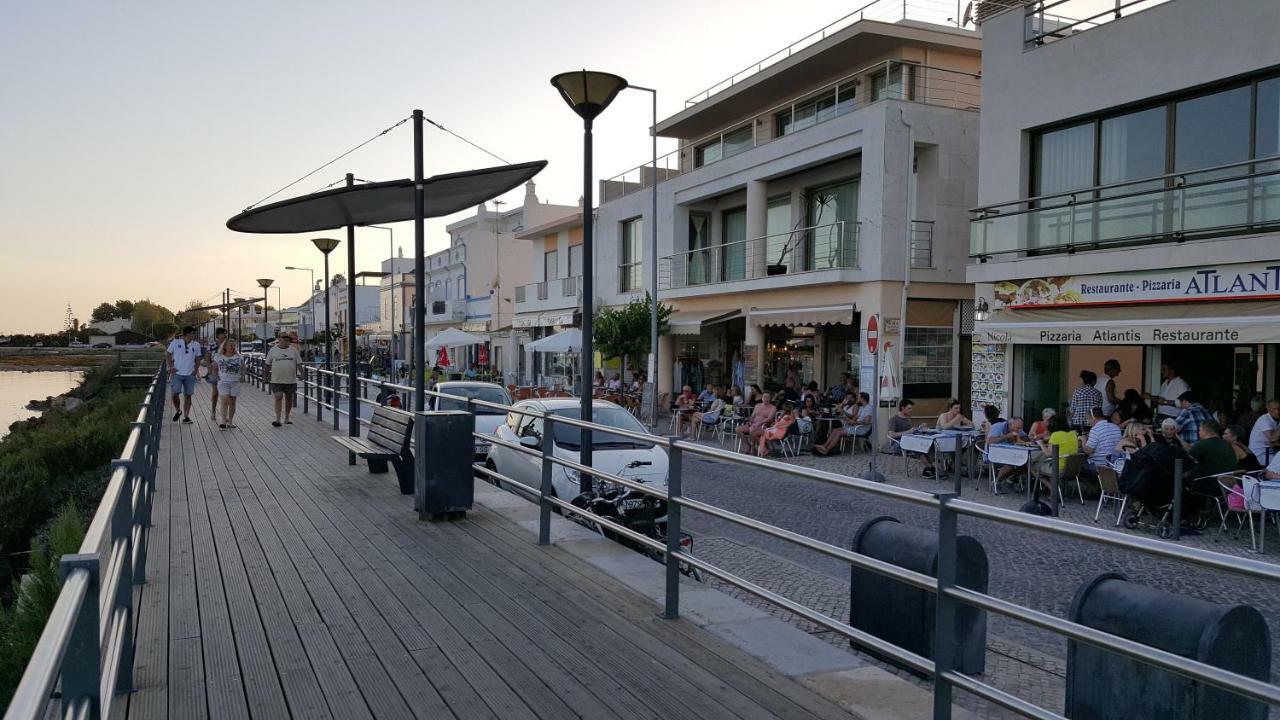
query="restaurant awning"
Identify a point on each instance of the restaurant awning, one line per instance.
(789, 317)
(690, 322)
(526, 321)
(1210, 323)
(558, 319)
(384, 202)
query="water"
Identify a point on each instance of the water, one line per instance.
(17, 388)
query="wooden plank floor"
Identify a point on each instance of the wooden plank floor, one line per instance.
(282, 582)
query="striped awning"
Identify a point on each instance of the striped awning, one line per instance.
(802, 316)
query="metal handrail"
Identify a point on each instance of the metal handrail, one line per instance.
(85, 652)
(944, 587)
(1035, 10)
(835, 237)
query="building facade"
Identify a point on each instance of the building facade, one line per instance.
(1129, 203)
(552, 301)
(825, 188)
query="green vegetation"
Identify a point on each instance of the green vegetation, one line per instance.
(53, 470)
(624, 332)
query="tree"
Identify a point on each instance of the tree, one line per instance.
(191, 316)
(624, 332)
(104, 313)
(147, 314)
(163, 330)
(124, 308)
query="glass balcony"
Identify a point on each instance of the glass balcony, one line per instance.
(822, 247)
(1228, 199)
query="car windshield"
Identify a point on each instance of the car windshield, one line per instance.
(476, 392)
(570, 437)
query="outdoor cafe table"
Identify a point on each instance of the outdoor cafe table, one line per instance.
(1013, 456)
(938, 441)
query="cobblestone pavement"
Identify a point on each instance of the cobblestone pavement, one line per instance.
(1037, 570)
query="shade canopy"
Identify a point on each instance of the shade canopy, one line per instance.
(453, 337)
(384, 202)
(567, 341)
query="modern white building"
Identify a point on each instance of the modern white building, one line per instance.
(828, 186)
(552, 302)
(1129, 201)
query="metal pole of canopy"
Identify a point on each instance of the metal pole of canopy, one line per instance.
(419, 267)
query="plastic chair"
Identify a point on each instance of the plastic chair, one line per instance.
(1247, 496)
(1110, 483)
(1071, 471)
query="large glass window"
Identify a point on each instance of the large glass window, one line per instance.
(629, 255)
(737, 141)
(1133, 147)
(777, 228)
(1213, 130)
(733, 227)
(698, 264)
(727, 145)
(550, 265)
(812, 111)
(896, 82)
(1064, 161)
(833, 214)
(1266, 189)
(926, 362)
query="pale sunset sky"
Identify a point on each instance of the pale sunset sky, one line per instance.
(130, 132)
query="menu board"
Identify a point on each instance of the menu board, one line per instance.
(990, 379)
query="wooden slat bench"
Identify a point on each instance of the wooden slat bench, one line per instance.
(387, 440)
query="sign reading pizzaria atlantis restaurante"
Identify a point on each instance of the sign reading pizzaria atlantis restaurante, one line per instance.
(1249, 281)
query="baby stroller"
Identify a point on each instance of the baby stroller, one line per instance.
(1148, 480)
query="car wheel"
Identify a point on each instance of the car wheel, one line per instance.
(491, 467)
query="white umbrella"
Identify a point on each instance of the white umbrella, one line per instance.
(567, 341)
(453, 337)
(889, 389)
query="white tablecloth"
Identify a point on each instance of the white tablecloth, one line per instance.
(1015, 455)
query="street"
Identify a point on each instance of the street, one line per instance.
(1037, 570)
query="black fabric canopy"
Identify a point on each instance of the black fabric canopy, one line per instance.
(383, 202)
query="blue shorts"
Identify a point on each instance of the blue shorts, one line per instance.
(184, 384)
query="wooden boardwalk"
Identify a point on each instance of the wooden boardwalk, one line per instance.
(283, 583)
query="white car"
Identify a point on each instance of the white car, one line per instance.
(614, 454)
(487, 419)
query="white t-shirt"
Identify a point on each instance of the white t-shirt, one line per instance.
(1170, 390)
(185, 354)
(1108, 407)
(229, 367)
(1258, 440)
(1274, 465)
(284, 364)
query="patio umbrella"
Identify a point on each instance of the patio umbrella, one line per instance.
(567, 341)
(453, 337)
(889, 389)
(442, 357)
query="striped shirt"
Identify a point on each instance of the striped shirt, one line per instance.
(1103, 437)
(1083, 400)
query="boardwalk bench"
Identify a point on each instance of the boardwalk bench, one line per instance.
(386, 441)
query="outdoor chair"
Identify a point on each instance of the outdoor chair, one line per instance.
(1247, 493)
(1110, 483)
(1071, 471)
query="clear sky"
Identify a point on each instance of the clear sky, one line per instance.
(130, 132)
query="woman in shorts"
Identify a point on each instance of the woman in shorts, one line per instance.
(230, 364)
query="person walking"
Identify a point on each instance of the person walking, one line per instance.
(183, 358)
(282, 367)
(215, 347)
(229, 363)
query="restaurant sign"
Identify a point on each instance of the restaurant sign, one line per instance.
(1249, 281)
(1202, 331)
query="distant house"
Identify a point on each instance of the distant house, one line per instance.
(111, 327)
(123, 337)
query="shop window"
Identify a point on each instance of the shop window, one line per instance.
(927, 362)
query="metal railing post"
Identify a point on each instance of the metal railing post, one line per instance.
(122, 530)
(82, 664)
(1177, 500)
(1055, 478)
(671, 610)
(319, 395)
(546, 489)
(306, 389)
(956, 460)
(944, 618)
(333, 398)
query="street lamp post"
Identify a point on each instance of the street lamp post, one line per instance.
(326, 246)
(265, 283)
(391, 254)
(653, 265)
(588, 93)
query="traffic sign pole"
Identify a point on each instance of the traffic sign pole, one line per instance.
(872, 342)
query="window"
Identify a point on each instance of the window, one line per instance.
(833, 214)
(777, 228)
(1064, 160)
(733, 251)
(698, 265)
(896, 82)
(812, 111)
(727, 145)
(926, 363)
(550, 265)
(629, 254)
(575, 260)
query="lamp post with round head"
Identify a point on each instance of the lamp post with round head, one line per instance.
(588, 93)
(326, 246)
(265, 283)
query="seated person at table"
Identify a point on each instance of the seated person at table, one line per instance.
(775, 431)
(902, 424)
(990, 416)
(1100, 444)
(1212, 456)
(709, 417)
(1040, 428)
(789, 392)
(1168, 432)
(1134, 439)
(708, 394)
(855, 419)
(754, 394)
(686, 403)
(1273, 468)
(952, 418)
(735, 396)
(637, 383)
(615, 383)
(1060, 436)
(836, 393)
(811, 390)
(1005, 431)
(599, 380)
(761, 416)
(1235, 435)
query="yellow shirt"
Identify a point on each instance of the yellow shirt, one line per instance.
(1068, 444)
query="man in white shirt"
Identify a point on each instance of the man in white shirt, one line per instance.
(183, 357)
(1171, 389)
(1265, 434)
(1107, 386)
(282, 367)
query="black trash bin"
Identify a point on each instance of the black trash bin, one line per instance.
(904, 614)
(1104, 684)
(444, 453)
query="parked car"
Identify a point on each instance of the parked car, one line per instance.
(100, 346)
(487, 419)
(622, 456)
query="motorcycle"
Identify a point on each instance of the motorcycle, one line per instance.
(638, 512)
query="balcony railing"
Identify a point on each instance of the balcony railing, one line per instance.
(921, 244)
(822, 247)
(887, 80)
(630, 277)
(1227, 199)
(1042, 27)
(570, 287)
(889, 11)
